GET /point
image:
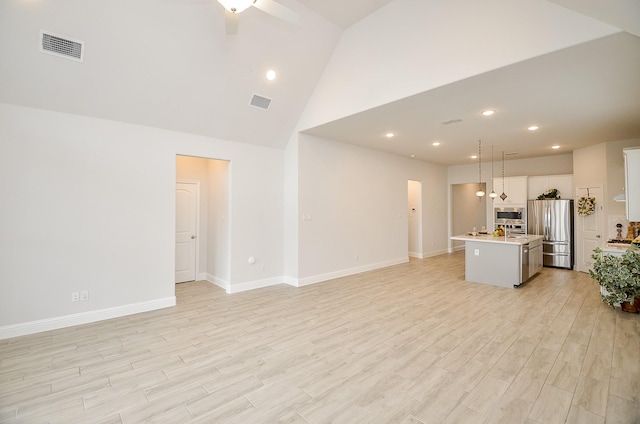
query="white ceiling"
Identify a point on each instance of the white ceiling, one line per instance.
(578, 96)
(344, 13)
(169, 64)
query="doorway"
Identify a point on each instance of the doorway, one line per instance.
(202, 231)
(467, 211)
(415, 219)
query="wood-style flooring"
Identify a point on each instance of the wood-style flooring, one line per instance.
(412, 343)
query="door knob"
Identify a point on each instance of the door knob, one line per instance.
(598, 236)
(193, 237)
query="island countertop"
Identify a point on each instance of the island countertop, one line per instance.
(488, 238)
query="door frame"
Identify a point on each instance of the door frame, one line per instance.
(197, 229)
(578, 244)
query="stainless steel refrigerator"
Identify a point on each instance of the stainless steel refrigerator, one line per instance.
(553, 219)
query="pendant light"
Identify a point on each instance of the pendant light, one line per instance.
(480, 192)
(503, 195)
(493, 194)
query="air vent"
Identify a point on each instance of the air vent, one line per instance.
(61, 46)
(451, 121)
(260, 102)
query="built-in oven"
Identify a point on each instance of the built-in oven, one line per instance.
(510, 215)
(513, 219)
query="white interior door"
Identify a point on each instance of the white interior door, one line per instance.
(186, 231)
(415, 219)
(589, 228)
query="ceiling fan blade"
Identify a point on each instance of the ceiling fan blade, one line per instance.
(231, 22)
(276, 9)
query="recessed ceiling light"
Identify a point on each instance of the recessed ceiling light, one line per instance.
(271, 75)
(390, 135)
(413, 156)
(488, 112)
(555, 147)
(474, 156)
(435, 143)
(533, 128)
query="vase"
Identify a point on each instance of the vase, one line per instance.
(634, 307)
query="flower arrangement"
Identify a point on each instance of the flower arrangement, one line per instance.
(619, 276)
(586, 205)
(552, 193)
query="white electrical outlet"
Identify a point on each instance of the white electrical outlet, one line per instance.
(75, 296)
(476, 252)
(84, 295)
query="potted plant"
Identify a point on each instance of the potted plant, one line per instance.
(619, 277)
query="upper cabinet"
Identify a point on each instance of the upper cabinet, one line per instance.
(632, 183)
(540, 184)
(514, 187)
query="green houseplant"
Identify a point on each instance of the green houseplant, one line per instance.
(619, 276)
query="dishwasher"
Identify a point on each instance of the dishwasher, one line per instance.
(531, 255)
(524, 255)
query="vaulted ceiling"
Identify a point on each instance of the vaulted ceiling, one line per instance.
(169, 64)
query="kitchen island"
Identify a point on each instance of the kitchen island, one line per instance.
(501, 261)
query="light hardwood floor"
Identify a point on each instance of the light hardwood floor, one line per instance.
(412, 343)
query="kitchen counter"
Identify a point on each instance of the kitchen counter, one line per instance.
(488, 238)
(500, 261)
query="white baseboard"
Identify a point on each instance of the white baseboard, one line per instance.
(241, 287)
(417, 255)
(55, 323)
(344, 272)
(217, 281)
(436, 253)
(256, 284)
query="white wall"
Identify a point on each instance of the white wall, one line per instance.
(356, 199)
(548, 165)
(218, 217)
(89, 204)
(291, 213)
(412, 46)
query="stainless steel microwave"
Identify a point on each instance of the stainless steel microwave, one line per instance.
(510, 215)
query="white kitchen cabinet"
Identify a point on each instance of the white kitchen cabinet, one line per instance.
(535, 260)
(632, 182)
(515, 188)
(540, 184)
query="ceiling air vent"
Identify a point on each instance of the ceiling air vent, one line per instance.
(260, 102)
(61, 46)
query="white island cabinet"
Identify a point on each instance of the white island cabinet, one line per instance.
(501, 261)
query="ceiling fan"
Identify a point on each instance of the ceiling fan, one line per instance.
(234, 7)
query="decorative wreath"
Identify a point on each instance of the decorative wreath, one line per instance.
(586, 205)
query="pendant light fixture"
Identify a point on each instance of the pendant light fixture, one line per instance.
(493, 194)
(503, 195)
(480, 192)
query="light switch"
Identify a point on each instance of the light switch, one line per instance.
(476, 252)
